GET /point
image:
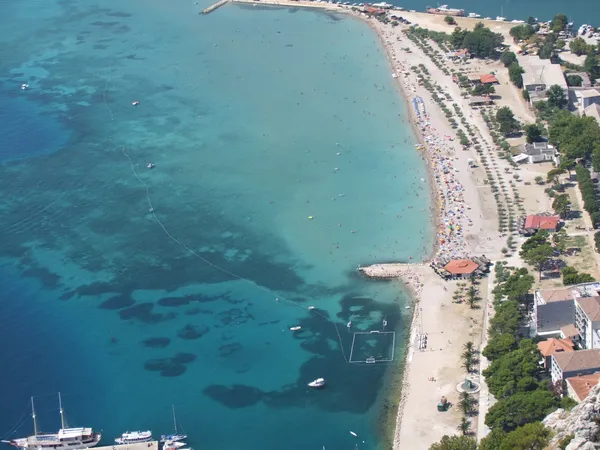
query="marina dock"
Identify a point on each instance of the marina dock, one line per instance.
(214, 6)
(152, 445)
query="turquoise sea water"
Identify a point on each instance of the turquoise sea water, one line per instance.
(255, 120)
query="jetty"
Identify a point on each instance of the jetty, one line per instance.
(386, 271)
(214, 6)
(152, 445)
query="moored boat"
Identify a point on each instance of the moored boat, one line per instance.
(65, 438)
(447, 11)
(134, 437)
(318, 383)
(174, 438)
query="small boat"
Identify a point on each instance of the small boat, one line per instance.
(173, 440)
(150, 166)
(296, 328)
(134, 437)
(135, 103)
(353, 434)
(349, 324)
(24, 86)
(474, 15)
(173, 444)
(318, 383)
(311, 307)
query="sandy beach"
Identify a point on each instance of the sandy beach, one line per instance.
(467, 224)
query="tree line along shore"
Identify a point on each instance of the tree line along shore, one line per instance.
(506, 99)
(506, 362)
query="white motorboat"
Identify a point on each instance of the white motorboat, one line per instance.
(65, 438)
(500, 19)
(135, 103)
(295, 328)
(318, 383)
(24, 86)
(134, 437)
(150, 166)
(474, 15)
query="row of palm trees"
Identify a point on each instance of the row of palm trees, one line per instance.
(467, 402)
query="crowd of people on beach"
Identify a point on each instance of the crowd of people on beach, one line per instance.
(452, 217)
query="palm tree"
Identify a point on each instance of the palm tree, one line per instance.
(472, 297)
(466, 403)
(465, 426)
(467, 362)
(468, 356)
(469, 346)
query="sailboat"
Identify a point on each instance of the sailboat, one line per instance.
(65, 438)
(175, 437)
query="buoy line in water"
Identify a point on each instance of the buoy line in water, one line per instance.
(215, 266)
(191, 251)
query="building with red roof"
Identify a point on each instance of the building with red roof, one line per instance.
(548, 223)
(461, 267)
(551, 346)
(579, 387)
(488, 78)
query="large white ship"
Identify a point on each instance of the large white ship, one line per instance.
(65, 438)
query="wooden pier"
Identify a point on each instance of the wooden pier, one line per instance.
(152, 445)
(211, 8)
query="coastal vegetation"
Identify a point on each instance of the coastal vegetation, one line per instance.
(575, 137)
(557, 97)
(571, 276)
(507, 122)
(515, 73)
(481, 41)
(580, 47)
(523, 392)
(574, 80)
(455, 443)
(588, 193)
(522, 32)
(507, 58)
(533, 132)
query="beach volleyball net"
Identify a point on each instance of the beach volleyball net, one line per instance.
(371, 347)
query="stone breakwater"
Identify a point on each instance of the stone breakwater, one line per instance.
(404, 271)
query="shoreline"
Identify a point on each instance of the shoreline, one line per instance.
(457, 202)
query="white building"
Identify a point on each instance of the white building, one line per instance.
(587, 320)
(540, 75)
(593, 111)
(586, 98)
